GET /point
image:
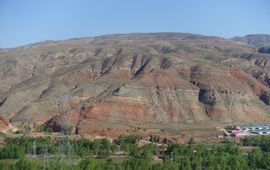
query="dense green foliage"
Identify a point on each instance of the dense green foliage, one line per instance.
(261, 141)
(11, 151)
(26, 144)
(95, 155)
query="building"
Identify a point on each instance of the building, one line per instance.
(261, 132)
(255, 127)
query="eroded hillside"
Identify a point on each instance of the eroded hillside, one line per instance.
(135, 79)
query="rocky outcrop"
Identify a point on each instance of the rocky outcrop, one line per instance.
(56, 124)
(2, 101)
(207, 97)
(265, 97)
(4, 123)
(264, 50)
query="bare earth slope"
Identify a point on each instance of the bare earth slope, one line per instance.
(135, 79)
(261, 41)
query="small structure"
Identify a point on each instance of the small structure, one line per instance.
(261, 132)
(241, 134)
(241, 131)
(255, 127)
(236, 132)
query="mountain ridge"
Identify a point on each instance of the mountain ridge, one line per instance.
(138, 79)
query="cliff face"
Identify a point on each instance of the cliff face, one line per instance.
(121, 80)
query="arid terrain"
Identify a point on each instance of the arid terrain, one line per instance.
(116, 83)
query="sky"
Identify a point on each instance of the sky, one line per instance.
(29, 21)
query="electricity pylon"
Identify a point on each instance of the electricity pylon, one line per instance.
(46, 158)
(65, 147)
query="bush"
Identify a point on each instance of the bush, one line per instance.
(24, 164)
(12, 151)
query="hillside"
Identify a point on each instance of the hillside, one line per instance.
(255, 39)
(261, 41)
(135, 80)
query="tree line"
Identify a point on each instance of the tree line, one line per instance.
(191, 156)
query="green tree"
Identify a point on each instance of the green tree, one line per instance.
(87, 164)
(185, 164)
(147, 154)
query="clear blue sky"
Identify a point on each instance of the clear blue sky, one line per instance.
(28, 21)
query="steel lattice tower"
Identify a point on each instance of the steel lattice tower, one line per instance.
(46, 158)
(65, 147)
(34, 153)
